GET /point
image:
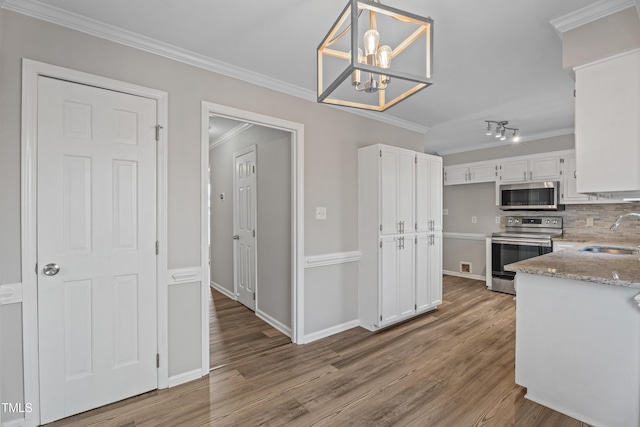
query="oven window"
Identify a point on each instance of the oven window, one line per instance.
(528, 197)
(503, 254)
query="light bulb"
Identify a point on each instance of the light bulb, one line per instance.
(355, 75)
(497, 131)
(371, 40)
(516, 135)
(503, 135)
(384, 57)
(488, 132)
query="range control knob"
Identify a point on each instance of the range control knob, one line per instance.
(555, 221)
(547, 221)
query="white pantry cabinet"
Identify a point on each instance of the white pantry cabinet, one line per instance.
(607, 131)
(400, 234)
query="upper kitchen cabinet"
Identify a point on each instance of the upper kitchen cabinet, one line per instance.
(470, 173)
(608, 126)
(524, 170)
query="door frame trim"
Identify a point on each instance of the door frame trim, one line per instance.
(250, 149)
(31, 70)
(297, 212)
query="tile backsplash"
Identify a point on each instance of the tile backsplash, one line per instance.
(574, 219)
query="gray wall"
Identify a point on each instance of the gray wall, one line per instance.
(274, 217)
(586, 43)
(332, 137)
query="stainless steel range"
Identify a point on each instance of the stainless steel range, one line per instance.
(524, 237)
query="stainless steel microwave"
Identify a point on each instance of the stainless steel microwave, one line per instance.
(531, 196)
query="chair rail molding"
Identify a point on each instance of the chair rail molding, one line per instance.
(11, 293)
(331, 259)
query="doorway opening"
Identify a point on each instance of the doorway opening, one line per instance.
(253, 250)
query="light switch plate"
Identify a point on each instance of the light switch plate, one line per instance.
(445, 211)
(589, 222)
(321, 213)
(474, 220)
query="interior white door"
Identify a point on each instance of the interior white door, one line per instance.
(244, 226)
(435, 269)
(389, 191)
(97, 223)
(435, 193)
(406, 190)
(423, 300)
(389, 298)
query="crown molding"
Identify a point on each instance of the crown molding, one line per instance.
(590, 13)
(48, 13)
(229, 135)
(523, 138)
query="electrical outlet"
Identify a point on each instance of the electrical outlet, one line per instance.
(445, 211)
(589, 222)
(497, 220)
(474, 220)
(321, 213)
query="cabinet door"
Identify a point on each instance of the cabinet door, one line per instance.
(515, 171)
(435, 193)
(389, 190)
(607, 131)
(569, 192)
(483, 173)
(406, 190)
(455, 175)
(423, 301)
(406, 276)
(389, 297)
(544, 169)
(435, 269)
(423, 192)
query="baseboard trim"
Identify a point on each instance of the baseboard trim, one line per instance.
(560, 409)
(315, 336)
(20, 422)
(465, 275)
(224, 291)
(185, 378)
(275, 323)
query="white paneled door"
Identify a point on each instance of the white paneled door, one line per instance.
(244, 226)
(96, 247)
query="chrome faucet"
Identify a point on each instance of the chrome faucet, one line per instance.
(616, 224)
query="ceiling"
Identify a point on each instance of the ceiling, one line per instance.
(493, 59)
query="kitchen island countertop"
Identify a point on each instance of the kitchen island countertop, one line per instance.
(570, 263)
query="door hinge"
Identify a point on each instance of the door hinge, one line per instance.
(380, 153)
(416, 226)
(416, 240)
(254, 233)
(157, 360)
(381, 244)
(157, 247)
(254, 169)
(158, 127)
(561, 160)
(380, 227)
(36, 269)
(381, 317)
(254, 296)
(415, 307)
(416, 159)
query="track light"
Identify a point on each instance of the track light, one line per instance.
(501, 130)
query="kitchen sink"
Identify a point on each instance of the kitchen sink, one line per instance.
(610, 250)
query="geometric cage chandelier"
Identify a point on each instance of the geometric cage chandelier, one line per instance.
(374, 56)
(501, 130)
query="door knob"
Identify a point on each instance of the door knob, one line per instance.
(236, 237)
(51, 269)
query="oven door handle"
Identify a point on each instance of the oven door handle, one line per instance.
(523, 242)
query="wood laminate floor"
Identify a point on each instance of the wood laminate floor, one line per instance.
(452, 367)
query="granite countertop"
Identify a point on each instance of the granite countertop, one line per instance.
(608, 269)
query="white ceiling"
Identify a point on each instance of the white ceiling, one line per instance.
(493, 59)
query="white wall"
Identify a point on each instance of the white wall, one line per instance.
(332, 137)
(274, 217)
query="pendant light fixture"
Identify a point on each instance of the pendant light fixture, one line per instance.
(361, 72)
(501, 130)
